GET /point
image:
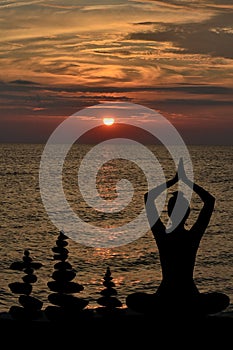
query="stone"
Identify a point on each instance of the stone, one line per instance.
(69, 287)
(20, 288)
(63, 275)
(67, 301)
(30, 303)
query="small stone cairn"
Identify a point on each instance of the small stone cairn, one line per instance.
(65, 306)
(30, 306)
(110, 304)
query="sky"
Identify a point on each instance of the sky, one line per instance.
(58, 57)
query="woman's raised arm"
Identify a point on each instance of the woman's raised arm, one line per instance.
(208, 200)
(155, 222)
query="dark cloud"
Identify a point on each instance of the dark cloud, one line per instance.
(195, 2)
(199, 102)
(26, 85)
(189, 89)
(23, 82)
(210, 37)
(144, 23)
(202, 89)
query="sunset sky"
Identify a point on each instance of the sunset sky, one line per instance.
(58, 57)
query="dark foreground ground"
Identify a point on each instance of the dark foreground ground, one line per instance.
(122, 330)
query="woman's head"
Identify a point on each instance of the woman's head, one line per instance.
(182, 204)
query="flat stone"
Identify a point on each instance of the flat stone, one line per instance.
(109, 302)
(61, 243)
(108, 292)
(20, 265)
(69, 287)
(63, 275)
(27, 259)
(30, 303)
(17, 265)
(20, 288)
(60, 250)
(108, 284)
(61, 257)
(36, 265)
(67, 301)
(29, 278)
(29, 270)
(63, 265)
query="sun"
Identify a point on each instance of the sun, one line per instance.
(108, 121)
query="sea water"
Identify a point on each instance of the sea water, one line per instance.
(135, 266)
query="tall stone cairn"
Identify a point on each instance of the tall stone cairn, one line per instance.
(66, 305)
(30, 306)
(110, 304)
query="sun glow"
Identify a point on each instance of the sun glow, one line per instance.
(108, 121)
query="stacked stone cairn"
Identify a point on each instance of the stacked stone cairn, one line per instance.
(110, 304)
(65, 306)
(30, 308)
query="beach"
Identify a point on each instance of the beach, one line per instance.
(123, 329)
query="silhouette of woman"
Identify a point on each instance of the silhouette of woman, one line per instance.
(177, 250)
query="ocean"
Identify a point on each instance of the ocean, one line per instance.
(135, 266)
